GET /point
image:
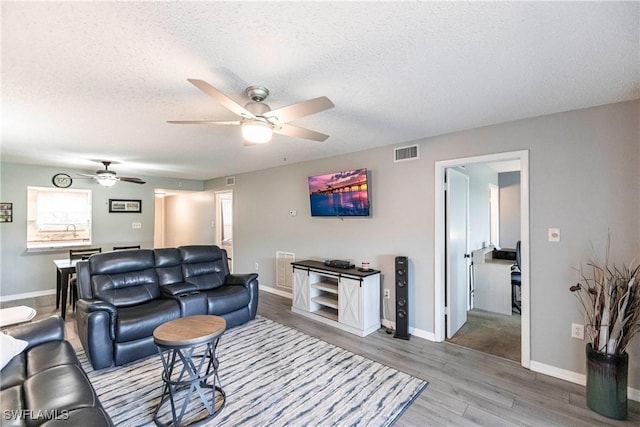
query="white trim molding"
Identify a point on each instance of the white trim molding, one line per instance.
(275, 291)
(27, 295)
(439, 243)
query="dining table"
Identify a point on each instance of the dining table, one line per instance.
(65, 268)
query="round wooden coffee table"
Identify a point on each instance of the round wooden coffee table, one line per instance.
(187, 348)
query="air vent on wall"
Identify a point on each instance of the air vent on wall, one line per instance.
(231, 180)
(284, 271)
(401, 154)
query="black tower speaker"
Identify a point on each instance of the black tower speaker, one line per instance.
(402, 298)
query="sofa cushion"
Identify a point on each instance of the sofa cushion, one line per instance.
(227, 299)
(11, 405)
(168, 266)
(120, 261)
(50, 354)
(15, 372)
(63, 387)
(139, 322)
(124, 278)
(204, 266)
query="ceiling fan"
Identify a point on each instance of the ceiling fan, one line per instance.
(108, 178)
(259, 122)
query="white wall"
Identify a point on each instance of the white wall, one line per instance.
(190, 219)
(509, 183)
(584, 180)
(480, 176)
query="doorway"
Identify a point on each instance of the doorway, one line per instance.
(441, 258)
(224, 223)
(172, 207)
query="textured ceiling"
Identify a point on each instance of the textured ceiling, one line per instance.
(85, 81)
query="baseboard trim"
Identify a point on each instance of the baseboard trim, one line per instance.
(430, 336)
(275, 291)
(27, 295)
(574, 377)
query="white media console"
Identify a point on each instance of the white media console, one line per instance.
(348, 299)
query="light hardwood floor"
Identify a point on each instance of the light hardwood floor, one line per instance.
(466, 387)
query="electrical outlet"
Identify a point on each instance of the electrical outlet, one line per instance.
(577, 331)
(257, 266)
(136, 225)
(386, 293)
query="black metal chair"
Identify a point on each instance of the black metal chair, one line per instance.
(516, 282)
(78, 254)
(120, 248)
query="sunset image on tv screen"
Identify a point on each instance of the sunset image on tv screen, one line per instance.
(339, 194)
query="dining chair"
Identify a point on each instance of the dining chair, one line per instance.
(78, 254)
(119, 248)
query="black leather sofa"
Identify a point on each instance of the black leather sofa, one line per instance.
(45, 384)
(125, 295)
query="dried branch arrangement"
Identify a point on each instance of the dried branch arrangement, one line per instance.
(610, 299)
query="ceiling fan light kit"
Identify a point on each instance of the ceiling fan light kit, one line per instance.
(256, 132)
(257, 120)
(106, 179)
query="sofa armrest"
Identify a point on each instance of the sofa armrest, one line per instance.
(96, 305)
(178, 289)
(39, 331)
(240, 279)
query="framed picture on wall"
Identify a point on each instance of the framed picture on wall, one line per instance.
(125, 205)
(6, 212)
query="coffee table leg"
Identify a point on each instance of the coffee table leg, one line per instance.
(196, 381)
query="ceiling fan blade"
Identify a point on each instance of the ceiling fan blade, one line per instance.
(203, 122)
(131, 179)
(223, 99)
(86, 175)
(302, 109)
(296, 131)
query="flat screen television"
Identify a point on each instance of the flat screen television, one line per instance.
(343, 193)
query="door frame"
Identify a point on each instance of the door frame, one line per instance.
(440, 239)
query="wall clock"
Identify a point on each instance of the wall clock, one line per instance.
(62, 180)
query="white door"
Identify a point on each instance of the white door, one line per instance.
(349, 298)
(301, 295)
(457, 237)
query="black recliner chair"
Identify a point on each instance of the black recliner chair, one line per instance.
(516, 281)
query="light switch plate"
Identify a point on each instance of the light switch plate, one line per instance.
(554, 234)
(136, 225)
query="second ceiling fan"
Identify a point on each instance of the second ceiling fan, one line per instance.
(107, 178)
(258, 120)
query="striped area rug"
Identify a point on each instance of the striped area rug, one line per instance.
(272, 376)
